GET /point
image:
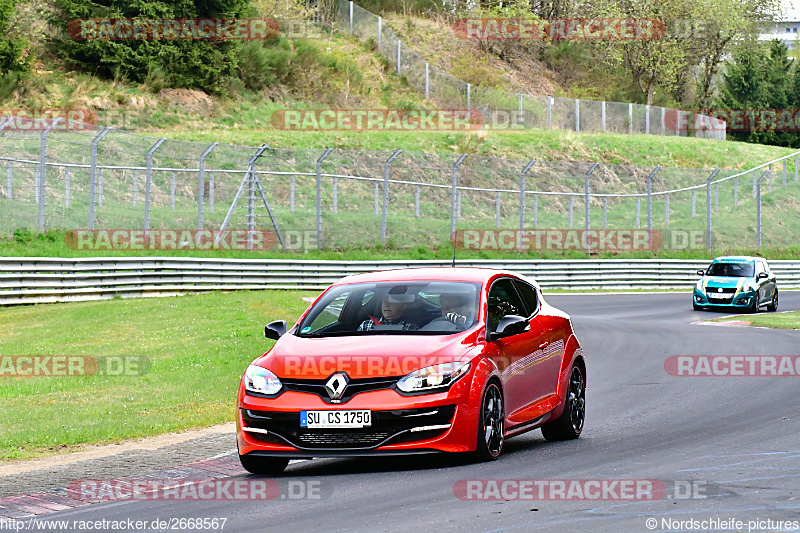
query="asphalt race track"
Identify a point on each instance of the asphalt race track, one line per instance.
(724, 447)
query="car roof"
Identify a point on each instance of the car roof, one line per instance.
(737, 258)
(473, 274)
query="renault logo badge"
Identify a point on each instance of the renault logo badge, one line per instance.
(336, 385)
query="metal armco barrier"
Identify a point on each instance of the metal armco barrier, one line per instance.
(26, 280)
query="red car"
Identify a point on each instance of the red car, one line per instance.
(413, 361)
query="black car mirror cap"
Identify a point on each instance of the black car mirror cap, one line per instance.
(701, 272)
(275, 330)
(510, 325)
(762, 275)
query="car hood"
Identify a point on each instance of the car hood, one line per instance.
(364, 356)
(724, 282)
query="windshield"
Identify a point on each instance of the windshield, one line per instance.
(394, 308)
(731, 270)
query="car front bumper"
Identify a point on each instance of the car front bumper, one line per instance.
(740, 300)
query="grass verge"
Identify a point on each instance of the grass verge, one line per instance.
(788, 320)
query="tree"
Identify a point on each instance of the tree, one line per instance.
(11, 49)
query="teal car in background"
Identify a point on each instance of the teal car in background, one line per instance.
(740, 283)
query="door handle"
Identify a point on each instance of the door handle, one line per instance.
(545, 343)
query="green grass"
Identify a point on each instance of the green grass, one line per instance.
(788, 320)
(198, 345)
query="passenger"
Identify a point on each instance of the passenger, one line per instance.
(393, 307)
(457, 308)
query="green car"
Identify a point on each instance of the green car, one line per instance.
(736, 284)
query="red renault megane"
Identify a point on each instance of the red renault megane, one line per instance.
(413, 361)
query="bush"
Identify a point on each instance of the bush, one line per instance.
(263, 63)
(193, 64)
(11, 49)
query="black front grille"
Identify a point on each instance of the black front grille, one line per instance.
(388, 427)
(355, 386)
(725, 290)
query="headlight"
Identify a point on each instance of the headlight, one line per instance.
(748, 287)
(260, 380)
(433, 377)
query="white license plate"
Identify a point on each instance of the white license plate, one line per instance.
(718, 295)
(353, 418)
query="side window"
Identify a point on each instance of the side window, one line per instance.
(759, 267)
(529, 297)
(503, 300)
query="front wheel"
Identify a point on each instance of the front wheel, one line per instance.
(773, 305)
(491, 424)
(570, 424)
(754, 305)
(269, 466)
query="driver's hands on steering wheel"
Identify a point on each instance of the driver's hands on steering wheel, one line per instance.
(458, 320)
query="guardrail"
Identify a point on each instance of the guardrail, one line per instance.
(26, 280)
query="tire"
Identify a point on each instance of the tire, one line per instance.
(570, 424)
(755, 305)
(269, 466)
(491, 425)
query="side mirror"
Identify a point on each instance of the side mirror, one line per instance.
(763, 275)
(509, 325)
(701, 272)
(274, 330)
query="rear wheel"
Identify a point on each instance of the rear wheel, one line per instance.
(269, 466)
(773, 305)
(570, 424)
(490, 424)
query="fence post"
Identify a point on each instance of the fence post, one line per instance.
(535, 211)
(521, 196)
(603, 114)
(758, 207)
(319, 195)
(201, 183)
(796, 167)
(9, 195)
(375, 200)
(587, 211)
(785, 169)
(708, 208)
(736, 192)
(93, 175)
(577, 114)
(386, 191)
(380, 33)
(351, 17)
(291, 194)
(549, 111)
(427, 79)
(469, 97)
(716, 197)
(755, 178)
(605, 212)
(770, 178)
(416, 201)
(661, 131)
(638, 212)
(497, 210)
(647, 119)
(43, 170)
(453, 194)
(650, 199)
(630, 118)
(135, 187)
(458, 205)
(335, 193)
(694, 203)
(399, 45)
(520, 118)
(148, 182)
(666, 209)
(66, 187)
(100, 197)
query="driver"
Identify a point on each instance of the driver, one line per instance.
(457, 308)
(393, 307)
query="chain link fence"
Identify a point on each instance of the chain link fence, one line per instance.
(503, 110)
(90, 177)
